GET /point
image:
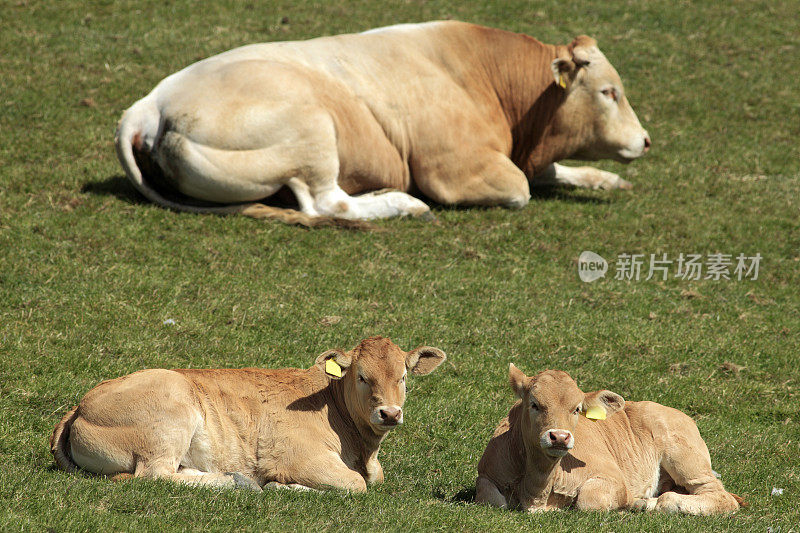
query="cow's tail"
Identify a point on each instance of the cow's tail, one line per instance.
(739, 499)
(142, 121)
(59, 442)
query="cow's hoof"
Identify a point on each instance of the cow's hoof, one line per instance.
(241, 481)
(274, 485)
(427, 216)
(643, 505)
(625, 185)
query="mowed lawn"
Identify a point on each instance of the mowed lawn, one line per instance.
(89, 271)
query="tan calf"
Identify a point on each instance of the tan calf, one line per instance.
(546, 454)
(460, 113)
(320, 427)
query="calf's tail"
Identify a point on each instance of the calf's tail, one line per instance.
(59, 442)
(738, 499)
(142, 121)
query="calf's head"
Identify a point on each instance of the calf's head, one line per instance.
(551, 406)
(596, 110)
(373, 379)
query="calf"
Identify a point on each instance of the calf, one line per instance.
(321, 427)
(635, 455)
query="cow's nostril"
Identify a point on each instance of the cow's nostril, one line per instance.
(390, 415)
(646, 143)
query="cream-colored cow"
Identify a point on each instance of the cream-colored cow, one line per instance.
(460, 113)
(320, 427)
(635, 455)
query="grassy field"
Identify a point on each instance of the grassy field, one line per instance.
(89, 271)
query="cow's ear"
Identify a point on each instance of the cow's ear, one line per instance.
(424, 360)
(517, 379)
(601, 404)
(581, 49)
(334, 363)
(563, 72)
(565, 69)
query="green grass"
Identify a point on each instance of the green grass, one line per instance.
(89, 271)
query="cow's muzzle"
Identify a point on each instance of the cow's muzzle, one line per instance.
(387, 416)
(556, 442)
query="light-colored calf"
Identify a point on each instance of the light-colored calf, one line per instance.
(560, 447)
(320, 427)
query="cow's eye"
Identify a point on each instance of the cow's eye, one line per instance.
(577, 410)
(361, 379)
(611, 93)
(534, 406)
(402, 380)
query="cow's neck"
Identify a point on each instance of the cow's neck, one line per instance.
(537, 472)
(519, 72)
(537, 481)
(369, 441)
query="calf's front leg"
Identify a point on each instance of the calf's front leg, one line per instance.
(598, 494)
(487, 492)
(324, 471)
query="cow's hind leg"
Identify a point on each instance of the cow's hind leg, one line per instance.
(584, 177)
(335, 202)
(688, 463)
(303, 195)
(190, 476)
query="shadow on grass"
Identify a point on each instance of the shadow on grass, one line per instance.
(465, 495)
(539, 193)
(567, 194)
(117, 186)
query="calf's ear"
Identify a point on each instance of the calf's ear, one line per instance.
(424, 360)
(517, 379)
(334, 363)
(602, 403)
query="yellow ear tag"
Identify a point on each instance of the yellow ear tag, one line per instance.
(332, 368)
(595, 412)
(561, 82)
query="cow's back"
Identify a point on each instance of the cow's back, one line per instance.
(392, 94)
(632, 442)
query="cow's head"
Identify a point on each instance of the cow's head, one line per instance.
(373, 379)
(551, 406)
(596, 106)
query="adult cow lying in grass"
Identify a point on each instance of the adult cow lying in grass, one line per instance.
(460, 113)
(320, 427)
(635, 455)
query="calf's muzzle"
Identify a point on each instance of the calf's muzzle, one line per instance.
(556, 442)
(389, 415)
